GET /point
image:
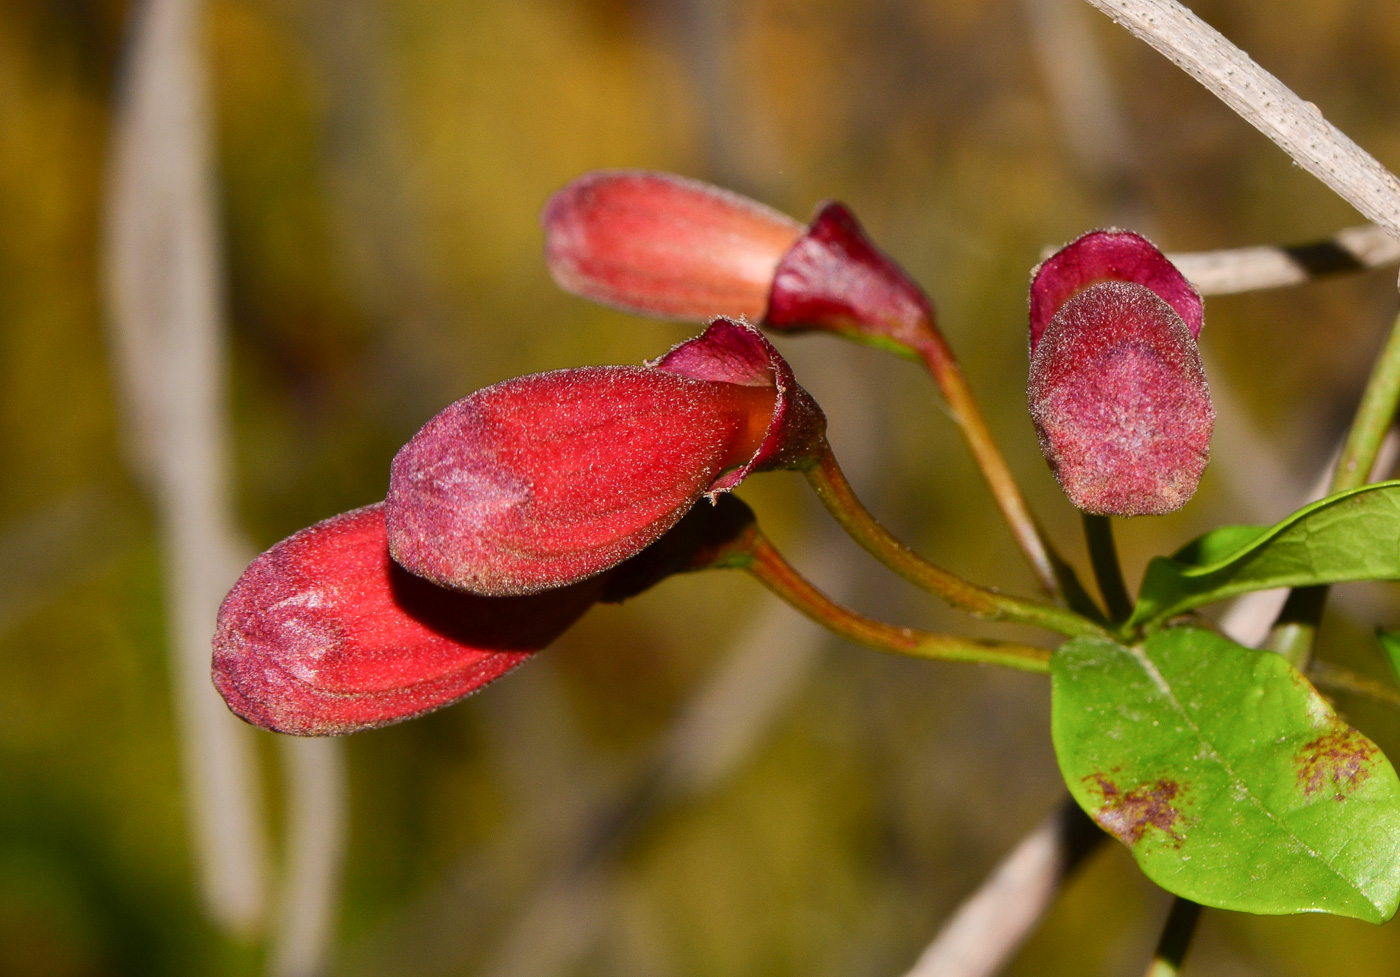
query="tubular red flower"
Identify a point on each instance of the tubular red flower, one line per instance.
(663, 245)
(325, 635)
(545, 480)
(1120, 401)
(666, 246)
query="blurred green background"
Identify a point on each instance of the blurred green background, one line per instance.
(380, 168)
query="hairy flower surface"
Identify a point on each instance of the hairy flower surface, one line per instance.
(835, 279)
(666, 246)
(1117, 390)
(545, 480)
(324, 634)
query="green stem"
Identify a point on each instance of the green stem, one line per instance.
(1295, 631)
(1103, 554)
(840, 500)
(1176, 938)
(943, 366)
(1373, 418)
(779, 576)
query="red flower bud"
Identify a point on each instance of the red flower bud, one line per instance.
(666, 246)
(324, 634)
(545, 480)
(1117, 391)
(663, 245)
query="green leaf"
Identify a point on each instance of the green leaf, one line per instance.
(1231, 780)
(1353, 535)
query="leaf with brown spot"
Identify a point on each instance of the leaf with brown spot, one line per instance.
(1127, 815)
(1339, 761)
(1231, 780)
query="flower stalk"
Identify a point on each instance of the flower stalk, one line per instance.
(840, 500)
(943, 366)
(774, 572)
(1108, 572)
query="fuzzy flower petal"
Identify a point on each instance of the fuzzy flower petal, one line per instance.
(1110, 255)
(545, 480)
(664, 245)
(323, 634)
(1120, 402)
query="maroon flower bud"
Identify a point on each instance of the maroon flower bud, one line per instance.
(663, 245)
(324, 634)
(545, 480)
(1117, 391)
(666, 246)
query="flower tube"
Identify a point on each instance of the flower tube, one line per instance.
(663, 245)
(545, 480)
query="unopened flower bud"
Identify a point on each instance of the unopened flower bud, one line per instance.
(667, 246)
(664, 245)
(325, 635)
(1117, 390)
(545, 480)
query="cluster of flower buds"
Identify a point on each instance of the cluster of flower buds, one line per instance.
(1117, 391)
(508, 515)
(520, 506)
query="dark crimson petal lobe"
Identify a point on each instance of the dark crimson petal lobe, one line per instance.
(663, 245)
(735, 352)
(324, 635)
(835, 279)
(1120, 401)
(544, 480)
(1110, 255)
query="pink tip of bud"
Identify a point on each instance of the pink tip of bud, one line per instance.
(1120, 401)
(835, 279)
(1110, 255)
(664, 245)
(545, 480)
(323, 635)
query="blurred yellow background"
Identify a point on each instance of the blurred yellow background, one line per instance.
(693, 783)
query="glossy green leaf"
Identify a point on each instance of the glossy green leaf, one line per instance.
(1353, 535)
(1231, 780)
